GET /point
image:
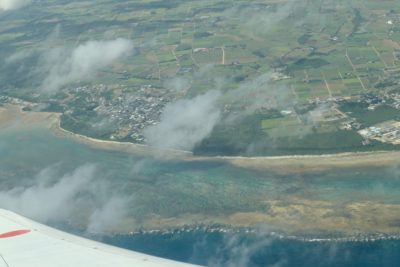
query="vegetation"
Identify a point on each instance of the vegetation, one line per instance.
(313, 44)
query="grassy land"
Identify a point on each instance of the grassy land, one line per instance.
(327, 48)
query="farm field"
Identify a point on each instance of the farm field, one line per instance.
(275, 62)
(215, 132)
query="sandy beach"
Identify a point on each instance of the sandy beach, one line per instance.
(316, 163)
(282, 164)
(126, 147)
(8, 114)
(14, 116)
(291, 212)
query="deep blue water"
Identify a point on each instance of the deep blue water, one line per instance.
(255, 250)
(19, 162)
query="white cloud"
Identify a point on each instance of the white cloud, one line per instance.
(239, 253)
(261, 93)
(19, 57)
(64, 67)
(13, 4)
(262, 22)
(186, 122)
(81, 194)
(178, 85)
(108, 216)
(46, 200)
(257, 21)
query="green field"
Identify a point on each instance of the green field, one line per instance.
(325, 50)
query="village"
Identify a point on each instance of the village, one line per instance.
(385, 132)
(126, 113)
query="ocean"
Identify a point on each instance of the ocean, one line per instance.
(216, 249)
(349, 208)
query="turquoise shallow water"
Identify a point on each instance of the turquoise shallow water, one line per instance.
(169, 189)
(25, 153)
(172, 188)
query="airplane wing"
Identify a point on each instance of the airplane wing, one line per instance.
(24, 242)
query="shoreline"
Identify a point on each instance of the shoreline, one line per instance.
(311, 214)
(297, 163)
(318, 163)
(228, 229)
(282, 164)
(126, 147)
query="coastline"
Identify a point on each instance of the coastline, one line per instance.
(281, 164)
(297, 163)
(127, 147)
(289, 213)
(317, 163)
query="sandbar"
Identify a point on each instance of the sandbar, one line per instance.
(283, 164)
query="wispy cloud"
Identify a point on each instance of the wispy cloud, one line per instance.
(13, 4)
(51, 198)
(178, 85)
(257, 20)
(239, 254)
(47, 200)
(186, 122)
(63, 66)
(260, 92)
(108, 216)
(261, 22)
(19, 57)
(234, 251)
